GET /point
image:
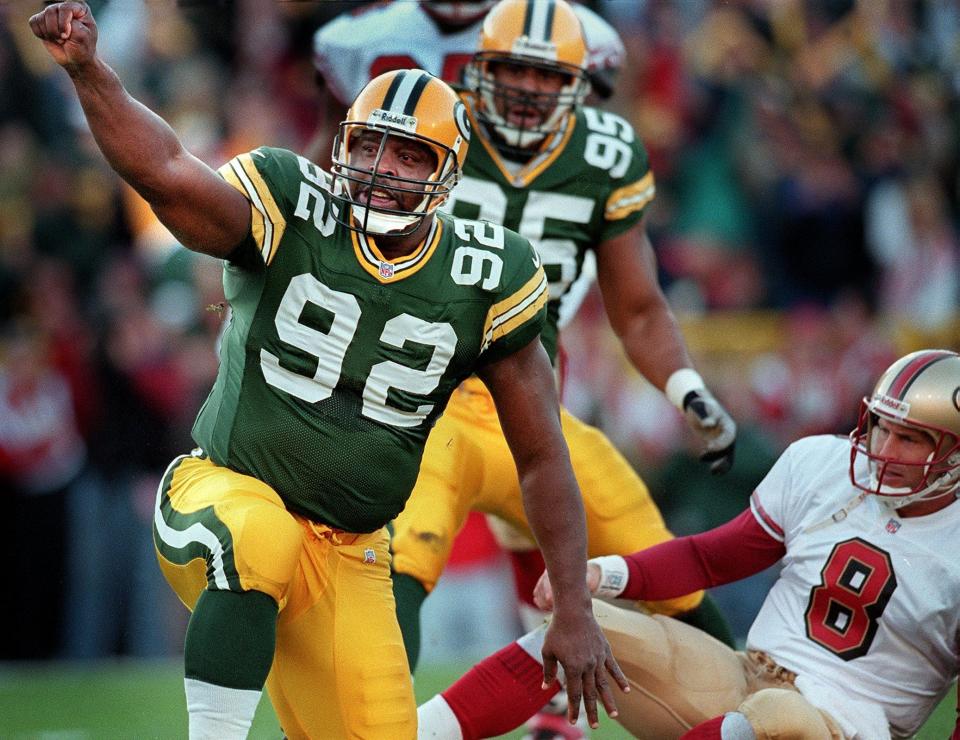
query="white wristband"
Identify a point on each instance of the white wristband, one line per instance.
(613, 576)
(679, 384)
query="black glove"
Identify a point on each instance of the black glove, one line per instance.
(715, 426)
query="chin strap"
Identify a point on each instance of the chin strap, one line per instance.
(840, 514)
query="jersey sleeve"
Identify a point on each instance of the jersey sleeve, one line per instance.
(520, 312)
(772, 502)
(631, 193)
(735, 550)
(269, 179)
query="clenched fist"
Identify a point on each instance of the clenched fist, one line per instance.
(68, 32)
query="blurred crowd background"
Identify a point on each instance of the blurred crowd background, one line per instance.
(806, 224)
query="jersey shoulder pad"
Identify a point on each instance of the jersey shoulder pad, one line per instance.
(514, 257)
(615, 139)
(271, 179)
(519, 312)
(612, 146)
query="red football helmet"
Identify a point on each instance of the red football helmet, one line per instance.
(921, 391)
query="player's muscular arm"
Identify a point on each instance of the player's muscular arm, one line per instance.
(639, 314)
(529, 412)
(637, 308)
(200, 208)
(523, 389)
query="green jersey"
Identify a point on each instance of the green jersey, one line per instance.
(336, 362)
(590, 184)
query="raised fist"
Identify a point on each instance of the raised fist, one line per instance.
(68, 32)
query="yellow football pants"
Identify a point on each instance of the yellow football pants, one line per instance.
(340, 669)
(467, 466)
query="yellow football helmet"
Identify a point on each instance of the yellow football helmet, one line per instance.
(922, 391)
(545, 35)
(412, 104)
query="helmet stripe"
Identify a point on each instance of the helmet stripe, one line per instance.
(392, 91)
(538, 20)
(415, 94)
(914, 369)
(405, 91)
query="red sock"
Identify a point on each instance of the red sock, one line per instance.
(499, 693)
(709, 730)
(528, 566)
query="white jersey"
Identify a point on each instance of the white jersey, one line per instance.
(355, 47)
(867, 607)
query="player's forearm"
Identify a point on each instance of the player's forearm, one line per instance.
(735, 550)
(555, 512)
(654, 344)
(137, 143)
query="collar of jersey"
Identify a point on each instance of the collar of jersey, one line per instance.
(552, 148)
(371, 259)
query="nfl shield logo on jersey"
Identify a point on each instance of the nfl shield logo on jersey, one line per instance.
(892, 526)
(386, 270)
(369, 556)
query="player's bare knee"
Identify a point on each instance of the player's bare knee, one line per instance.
(783, 714)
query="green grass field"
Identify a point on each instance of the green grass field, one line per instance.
(137, 700)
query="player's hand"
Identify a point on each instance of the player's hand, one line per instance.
(543, 591)
(715, 427)
(574, 640)
(68, 32)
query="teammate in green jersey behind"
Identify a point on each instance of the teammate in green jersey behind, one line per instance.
(356, 310)
(576, 181)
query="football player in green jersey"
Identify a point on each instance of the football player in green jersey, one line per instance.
(573, 179)
(356, 310)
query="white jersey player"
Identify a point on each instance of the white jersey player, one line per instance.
(858, 638)
(440, 37)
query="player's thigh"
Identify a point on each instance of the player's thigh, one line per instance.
(621, 515)
(784, 714)
(218, 529)
(456, 463)
(679, 676)
(340, 669)
(622, 518)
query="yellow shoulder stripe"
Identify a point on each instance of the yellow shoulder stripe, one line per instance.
(624, 201)
(515, 310)
(267, 223)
